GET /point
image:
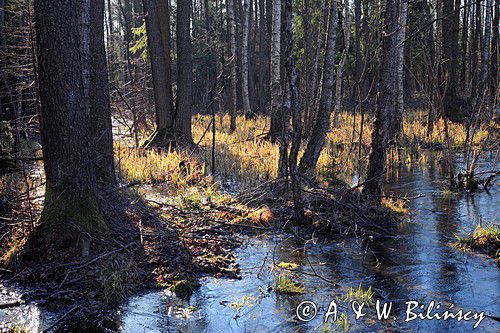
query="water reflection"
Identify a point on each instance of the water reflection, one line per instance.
(418, 264)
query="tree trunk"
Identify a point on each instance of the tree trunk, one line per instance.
(340, 67)
(465, 37)
(263, 55)
(494, 58)
(449, 40)
(486, 49)
(100, 110)
(386, 99)
(245, 47)
(276, 97)
(291, 106)
(185, 72)
(158, 30)
(232, 65)
(322, 124)
(358, 64)
(398, 118)
(65, 125)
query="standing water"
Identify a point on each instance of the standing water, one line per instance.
(418, 264)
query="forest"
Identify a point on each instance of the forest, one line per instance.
(249, 165)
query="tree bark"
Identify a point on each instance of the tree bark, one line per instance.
(276, 97)
(398, 118)
(232, 65)
(157, 18)
(185, 72)
(65, 124)
(449, 40)
(494, 57)
(386, 99)
(100, 109)
(245, 47)
(322, 124)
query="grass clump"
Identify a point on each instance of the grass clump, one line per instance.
(485, 240)
(396, 205)
(284, 284)
(11, 256)
(288, 265)
(340, 325)
(360, 295)
(246, 301)
(184, 288)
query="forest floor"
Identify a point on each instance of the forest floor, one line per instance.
(174, 217)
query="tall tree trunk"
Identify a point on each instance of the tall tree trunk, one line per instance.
(486, 49)
(340, 67)
(232, 65)
(322, 124)
(386, 99)
(185, 72)
(494, 57)
(245, 47)
(465, 37)
(449, 40)
(70, 197)
(398, 118)
(100, 110)
(358, 63)
(263, 55)
(157, 19)
(291, 106)
(276, 114)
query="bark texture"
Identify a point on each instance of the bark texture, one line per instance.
(185, 72)
(276, 95)
(157, 19)
(322, 124)
(100, 110)
(65, 124)
(386, 100)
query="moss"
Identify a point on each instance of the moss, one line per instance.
(184, 288)
(288, 265)
(83, 211)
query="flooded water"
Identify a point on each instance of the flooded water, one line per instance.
(418, 264)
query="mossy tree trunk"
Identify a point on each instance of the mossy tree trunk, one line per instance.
(70, 198)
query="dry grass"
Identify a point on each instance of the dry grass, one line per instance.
(246, 158)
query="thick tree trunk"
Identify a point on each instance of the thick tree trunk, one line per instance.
(100, 110)
(276, 97)
(245, 47)
(65, 124)
(157, 19)
(386, 99)
(232, 65)
(185, 72)
(322, 124)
